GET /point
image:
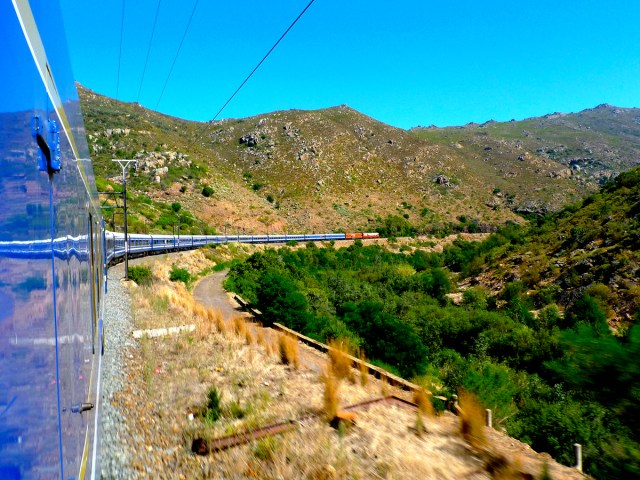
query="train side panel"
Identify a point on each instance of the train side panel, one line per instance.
(49, 294)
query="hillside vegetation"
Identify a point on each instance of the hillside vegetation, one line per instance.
(336, 169)
(589, 247)
(553, 377)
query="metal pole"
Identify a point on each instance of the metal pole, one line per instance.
(124, 164)
(126, 232)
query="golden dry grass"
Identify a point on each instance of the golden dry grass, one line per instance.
(384, 387)
(199, 311)
(289, 352)
(248, 337)
(422, 399)
(472, 420)
(330, 395)
(364, 370)
(340, 363)
(239, 326)
(221, 326)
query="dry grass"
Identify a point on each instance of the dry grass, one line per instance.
(340, 363)
(330, 395)
(364, 370)
(384, 387)
(472, 420)
(239, 326)
(422, 399)
(248, 337)
(221, 326)
(289, 352)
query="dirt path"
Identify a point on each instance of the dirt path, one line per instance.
(209, 292)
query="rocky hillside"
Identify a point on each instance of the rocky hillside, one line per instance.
(338, 169)
(590, 247)
(591, 146)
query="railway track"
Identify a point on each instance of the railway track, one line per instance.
(201, 446)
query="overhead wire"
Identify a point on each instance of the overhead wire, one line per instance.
(199, 134)
(120, 53)
(146, 60)
(177, 53)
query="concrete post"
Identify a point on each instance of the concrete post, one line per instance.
(488, 410)
(577, 448)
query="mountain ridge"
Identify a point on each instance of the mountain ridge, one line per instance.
(338, 169)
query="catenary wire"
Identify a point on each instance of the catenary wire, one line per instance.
(120, 53)
(206, 126)
(144, 69)
(177, 53)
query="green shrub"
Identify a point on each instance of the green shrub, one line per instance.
(214, 409)
(180, 275)
(141, 275)
(207, 191)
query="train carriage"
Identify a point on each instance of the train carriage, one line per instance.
(51, 252)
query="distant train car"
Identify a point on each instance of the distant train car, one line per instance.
(362, 235)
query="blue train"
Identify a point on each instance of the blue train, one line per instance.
(54, 252)
(145, 244)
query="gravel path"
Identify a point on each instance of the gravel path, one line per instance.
(118, 341)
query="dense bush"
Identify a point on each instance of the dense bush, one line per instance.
(395, 226)
(141, 275)
(179, 275)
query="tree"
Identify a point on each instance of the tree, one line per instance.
(388, 339)
(280, 301)
(585, 310)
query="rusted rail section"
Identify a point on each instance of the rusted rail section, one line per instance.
(202, 447)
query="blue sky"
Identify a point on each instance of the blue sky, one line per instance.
(405, 63)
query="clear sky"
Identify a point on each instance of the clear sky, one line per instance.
(403, 62)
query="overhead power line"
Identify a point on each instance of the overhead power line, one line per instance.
(144, 70)
(253, 71)
(177, 53)
(120, 53)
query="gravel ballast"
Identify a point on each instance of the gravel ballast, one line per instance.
(115, 437)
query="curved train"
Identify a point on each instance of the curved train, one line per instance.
(54, 252)
(154, 244)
